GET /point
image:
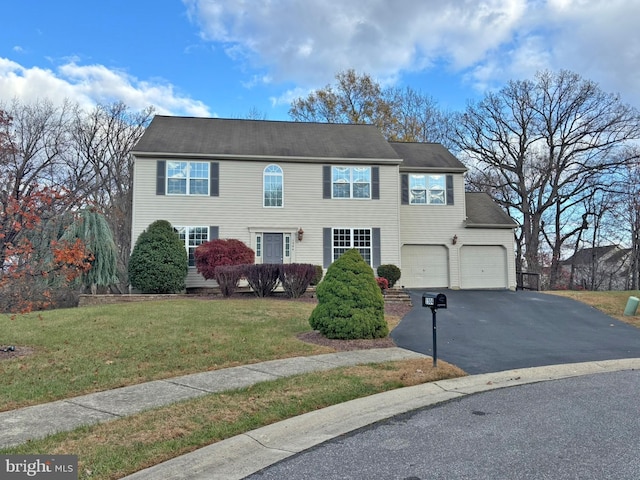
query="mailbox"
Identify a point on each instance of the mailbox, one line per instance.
(434, 300)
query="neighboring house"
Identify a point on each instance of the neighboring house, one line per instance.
(306, 192)
(599, 268)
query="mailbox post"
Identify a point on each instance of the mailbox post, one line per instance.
(434, 301)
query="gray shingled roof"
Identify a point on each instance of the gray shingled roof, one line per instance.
(482, 211)
(610, 253)
(259, 138)
(427, 156)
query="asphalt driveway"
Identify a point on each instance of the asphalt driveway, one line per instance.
(484, 331)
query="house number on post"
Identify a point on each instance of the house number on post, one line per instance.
(434, 301)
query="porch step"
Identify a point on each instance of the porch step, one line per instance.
(396, 296)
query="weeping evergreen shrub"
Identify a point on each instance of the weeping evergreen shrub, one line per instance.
(350, 303)
(92, 228)
(159, 262)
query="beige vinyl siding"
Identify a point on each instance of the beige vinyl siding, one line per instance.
(436, 225)
(239, 213)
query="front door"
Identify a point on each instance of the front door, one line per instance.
(272, 248)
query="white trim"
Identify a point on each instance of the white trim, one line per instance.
(187, 179)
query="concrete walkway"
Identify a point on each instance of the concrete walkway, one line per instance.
(22, 425)
(242, 455)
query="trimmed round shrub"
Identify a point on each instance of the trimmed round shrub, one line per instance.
(390, 272)
(350, 303)
(159, 262)
(215, 253)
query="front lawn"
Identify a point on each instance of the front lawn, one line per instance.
(88, 349)
(77, 351)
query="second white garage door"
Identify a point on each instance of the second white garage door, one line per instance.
(483, 266)
(425, 266)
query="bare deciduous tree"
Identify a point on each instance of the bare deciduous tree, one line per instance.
(102, 167)
(540, 147)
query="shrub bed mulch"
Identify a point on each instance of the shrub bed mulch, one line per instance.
(397, 309)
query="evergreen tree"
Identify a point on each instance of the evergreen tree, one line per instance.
(350, 303)
(93, 230)
(159, 262)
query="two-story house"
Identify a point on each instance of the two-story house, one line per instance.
(306, 192)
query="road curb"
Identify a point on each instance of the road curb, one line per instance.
(242, 455)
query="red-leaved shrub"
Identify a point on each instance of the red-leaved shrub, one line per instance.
(216, 253)
(296, 277)
(383, 283)
(228, 277)
(262, 278)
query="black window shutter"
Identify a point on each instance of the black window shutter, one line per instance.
(375, 183)
(449, 189)
(327, 246)
(375, 233)
(214, 179)
(404, 181)
(213, 233)
(160, 177)
(326, 181)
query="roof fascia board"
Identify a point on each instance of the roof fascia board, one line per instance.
(489, 225)
(268, 158)
(405, 169)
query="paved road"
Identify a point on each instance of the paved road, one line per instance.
(577, 428)
(491, 331)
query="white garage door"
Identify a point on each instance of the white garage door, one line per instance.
(483, 266)
(425, 266)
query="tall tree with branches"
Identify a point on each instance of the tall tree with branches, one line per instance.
(404, 115)
(540, 147)
(101, 167)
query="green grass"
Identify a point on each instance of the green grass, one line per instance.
(81, 350)
(120, 447)
(88, 349)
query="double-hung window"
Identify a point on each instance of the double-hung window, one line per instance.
(351, 182)
(273, 183)
(347, 238)
(187, 178)
(427, 189)
(192, 237)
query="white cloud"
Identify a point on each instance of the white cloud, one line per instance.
(88, 85)
(488, 41)
(311, 41)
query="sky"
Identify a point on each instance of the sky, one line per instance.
(241, 58)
